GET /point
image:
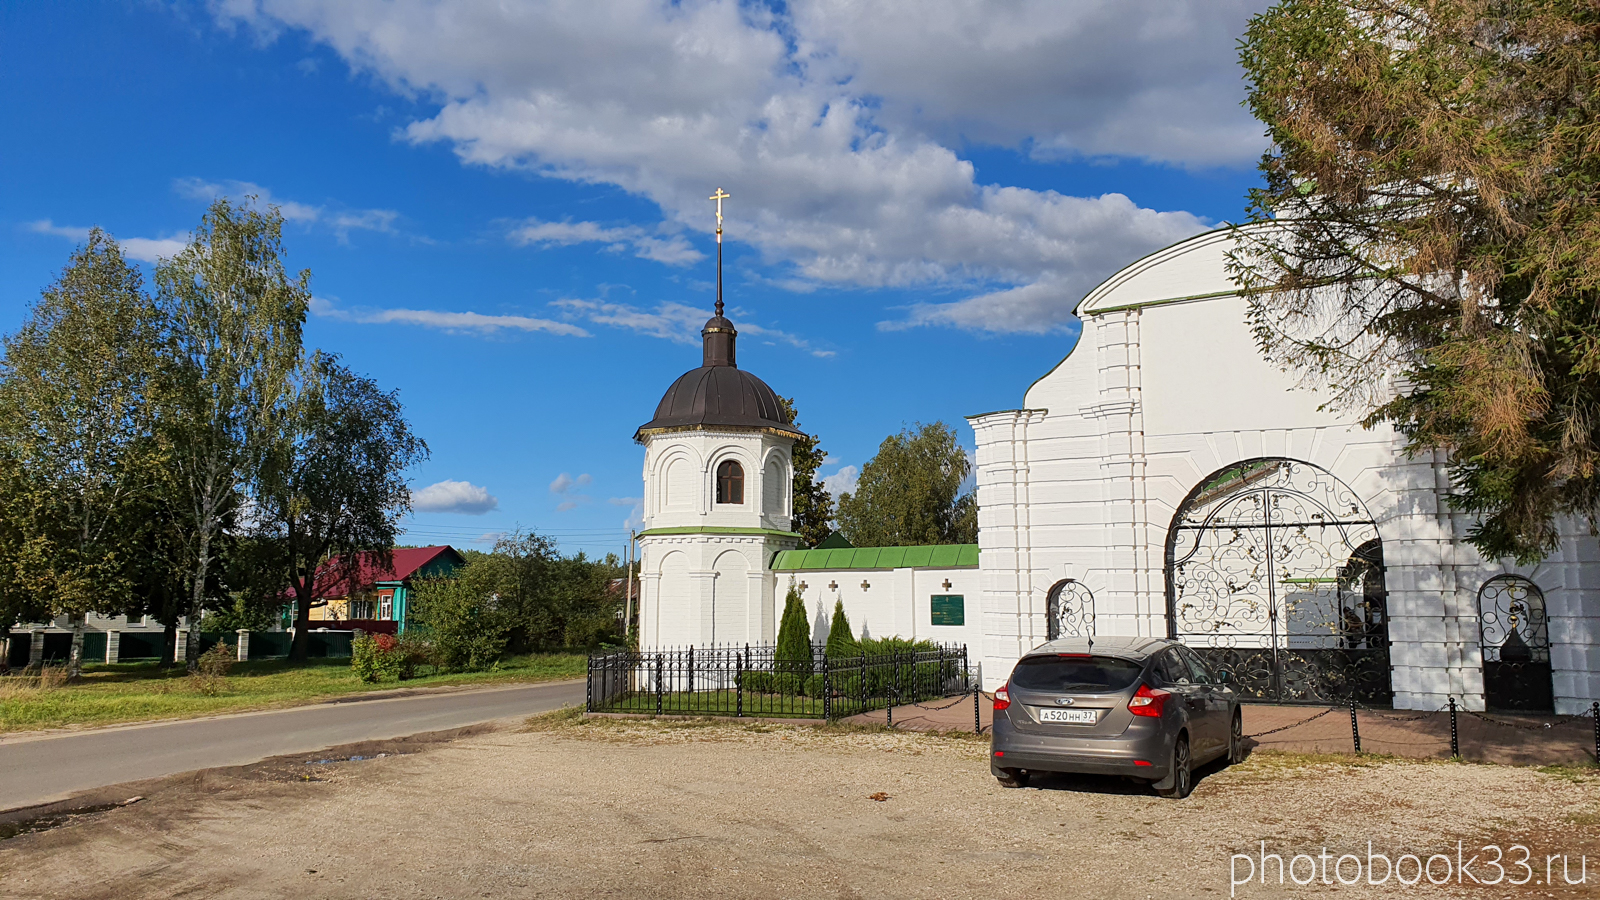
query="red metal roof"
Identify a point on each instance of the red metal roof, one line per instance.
(404, 563)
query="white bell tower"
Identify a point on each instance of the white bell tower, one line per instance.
(718, 495)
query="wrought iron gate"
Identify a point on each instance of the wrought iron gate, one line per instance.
(1274, 575)
(1515, 636)
(1069, 610)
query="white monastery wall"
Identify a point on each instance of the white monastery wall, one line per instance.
(889, 602)
(1166, 387)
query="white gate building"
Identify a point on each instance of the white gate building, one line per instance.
(1164, 479)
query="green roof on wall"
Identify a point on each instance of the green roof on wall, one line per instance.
(942, 556)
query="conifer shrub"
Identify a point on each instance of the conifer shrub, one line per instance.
(841, 643)
(792, 656)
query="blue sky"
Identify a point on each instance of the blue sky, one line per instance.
(502, 205)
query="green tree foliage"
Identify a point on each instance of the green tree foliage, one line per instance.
(813, 505)
(542, 600)
(793, 656)
(841, 643)
(1427, 245)
(136, 430)
(332, 484)
(235, 316)
(467, 625)
(909, 494)
(75, 423)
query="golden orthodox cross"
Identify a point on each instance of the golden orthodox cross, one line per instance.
(719, 196)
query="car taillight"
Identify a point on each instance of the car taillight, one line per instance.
(1002, 697)
(1147, 702)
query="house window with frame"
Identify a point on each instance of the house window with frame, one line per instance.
(386, 606)
(361, 609)
(730, 483)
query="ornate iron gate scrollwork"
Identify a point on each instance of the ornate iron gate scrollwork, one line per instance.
(1069, 610)
(1515, 636)
(1275, 575)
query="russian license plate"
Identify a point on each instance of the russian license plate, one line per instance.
(1074, 716)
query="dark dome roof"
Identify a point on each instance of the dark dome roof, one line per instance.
(718, 397)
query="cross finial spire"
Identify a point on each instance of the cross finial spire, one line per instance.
(719, 196)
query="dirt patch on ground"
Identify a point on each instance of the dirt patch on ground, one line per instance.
(301, 768)
(575, 807)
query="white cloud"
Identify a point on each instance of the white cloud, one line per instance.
(489, 537)
(454, 497)
(832, 124)
(567, 505)
(565, 482)
(843, 481)
(672, 249)
(153, 249)
(45, 226)
(677, 322)
(143, 249)
(1150, 79)
(625, 501)
(340, 220)
(635, 517)
(444, 320)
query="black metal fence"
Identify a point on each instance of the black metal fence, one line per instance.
(754, 681)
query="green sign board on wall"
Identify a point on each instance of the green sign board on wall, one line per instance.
(949, 609)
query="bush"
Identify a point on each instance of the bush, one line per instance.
(218, 661)
(212, 668)
(375, 657)
(756, 682)
(465, 626)
(413, 652)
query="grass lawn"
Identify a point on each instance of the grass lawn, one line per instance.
(132, 692)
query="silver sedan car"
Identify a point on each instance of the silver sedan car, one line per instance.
(1145, 708)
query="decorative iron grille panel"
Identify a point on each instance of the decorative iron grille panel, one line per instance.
(1069, 609)
(1515, 635)
(1275, 576)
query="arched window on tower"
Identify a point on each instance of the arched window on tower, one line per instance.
(730, 483)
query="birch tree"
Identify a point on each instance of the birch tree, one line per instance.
(75, 424)
(235, 316)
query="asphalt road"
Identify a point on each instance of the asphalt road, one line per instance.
(45, 768)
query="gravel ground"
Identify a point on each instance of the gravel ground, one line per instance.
(636, 808)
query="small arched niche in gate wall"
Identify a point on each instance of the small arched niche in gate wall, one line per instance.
(1515, 636)
(1069, 610)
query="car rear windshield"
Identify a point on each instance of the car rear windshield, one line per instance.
(1073, 673)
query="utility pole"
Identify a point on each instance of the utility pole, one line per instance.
(633, 556)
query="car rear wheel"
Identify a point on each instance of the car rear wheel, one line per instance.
(1182, 776)
(1236, 740)
(1012, 778)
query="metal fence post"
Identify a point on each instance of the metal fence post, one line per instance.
(1594, 710)
(738, 682)
(894, 681)
(660, 664)
(1355, 729)
(827, 691)
(690, 684)
(588, 692)
(1455, 740)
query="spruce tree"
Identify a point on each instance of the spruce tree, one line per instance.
(841, 643)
